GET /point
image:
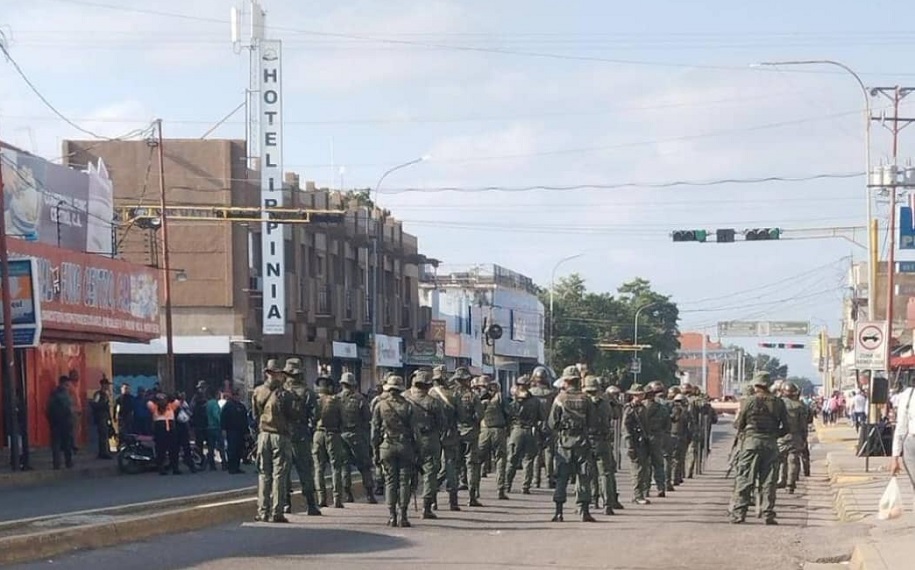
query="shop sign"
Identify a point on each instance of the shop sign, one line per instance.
(425, 353)
(25, 304)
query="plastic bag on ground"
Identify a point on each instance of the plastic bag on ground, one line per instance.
(891, 502)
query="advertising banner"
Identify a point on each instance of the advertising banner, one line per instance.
(26, 305)
(387, 351)
(91, 297)
(56, 205)
(271, 138)
(425, 353)
(345, 350)
(437, 330)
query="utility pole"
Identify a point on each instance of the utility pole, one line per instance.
(169, 379)
(9, 351)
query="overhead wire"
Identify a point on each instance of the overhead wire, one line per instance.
(149, 161)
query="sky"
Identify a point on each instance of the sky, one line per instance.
(602, 102)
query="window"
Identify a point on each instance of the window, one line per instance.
(468, 324)
(319, 266)
(511, 324)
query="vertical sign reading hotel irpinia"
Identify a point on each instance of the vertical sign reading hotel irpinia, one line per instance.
(271, 133)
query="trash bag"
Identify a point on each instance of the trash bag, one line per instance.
(891, 502)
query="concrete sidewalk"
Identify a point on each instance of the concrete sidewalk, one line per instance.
(85, 465)
(888, 545)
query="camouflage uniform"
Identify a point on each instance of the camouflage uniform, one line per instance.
(451, 439)
(634, 422)
(393, 432)
(543, 391)
(493, 430)
(470, 412)
(602, 463)
(328, 442)
(679, 435)
(526, 416)
(657, 426)
(792, 445)
(272, 408)
(301, 423)
(571, 419)
(429, 422)
(357, 423)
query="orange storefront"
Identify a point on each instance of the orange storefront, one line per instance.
(86, 301)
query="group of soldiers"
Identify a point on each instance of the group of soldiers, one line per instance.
(770, 447)
(442, 429)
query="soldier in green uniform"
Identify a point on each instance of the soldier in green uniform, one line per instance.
(792, 445)
(571, 419)
(301, 428)
(612, 397)
(761, 421)
(429, 423)
(470, 412)
(328, 442)
(634, 422)
(544, 392)
(694, 409)
(657, 426)
(493, 429)
(451, 439)
(272, 409)
(393, 443)
(525, 414)
(679, 435)
(602, 464)
(357, 425)
(379, 468)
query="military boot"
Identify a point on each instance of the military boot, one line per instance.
(474, 502)
(392, 519)
(322, 499)
(453, 501)
(502, 495)
(586, 514)
(596, 502)
(427, 510)
(312, 505)
(608, 510)
(338, 502)
(370, 497)
(670, 487)
(349, 498)
(557, 516)
(404, 523)
(616, 503)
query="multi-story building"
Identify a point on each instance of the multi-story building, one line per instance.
(467, 304)
(216, 286)
(709, 366)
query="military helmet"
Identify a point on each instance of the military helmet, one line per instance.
(636, 390)
(570, 373)
(348, 379)
(540, 373)
(673, 392)
(421, 378)
(394, 383)
(761, 379)
(523, 380)
(680, 398)
(438, 371)
(324, 381)
(480, 382)
(655, 387)
(592, 384)
(613, 390)
(791, 388)
(461, 374)
(687, 387)
(273, 367)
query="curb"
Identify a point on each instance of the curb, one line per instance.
(44, 545)
(866, 557)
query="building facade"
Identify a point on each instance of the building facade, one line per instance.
(465, 305)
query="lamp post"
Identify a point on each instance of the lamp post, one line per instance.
(552, 288)
(871, 244)
(635, 335)
(375, 240)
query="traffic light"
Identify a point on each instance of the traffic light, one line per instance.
(725, 236)
(690, 235)
(781, 345)
(762, 234)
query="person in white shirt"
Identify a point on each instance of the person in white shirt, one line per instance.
(859, 409)
(903, 440)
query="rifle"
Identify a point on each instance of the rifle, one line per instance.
(731, 456)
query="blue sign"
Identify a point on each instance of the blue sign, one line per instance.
(905, 267)
(25, 304)
(906, 229)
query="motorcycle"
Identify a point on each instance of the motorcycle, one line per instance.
(137, 453)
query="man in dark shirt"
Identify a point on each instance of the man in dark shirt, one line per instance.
(123, 411)
(234, 420)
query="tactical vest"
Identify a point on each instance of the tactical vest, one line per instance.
(575, 413)
(449, 414)
(395, 417)
(425, 419)
(657, 418)
(797, 417)
(353, 405)
(493, 414)
(329, 413)
(467, 414)
(525, 412)
(761, 417)
(601, 411)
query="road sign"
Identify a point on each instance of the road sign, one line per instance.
(763, 328)
(870, 345)
(636, 366)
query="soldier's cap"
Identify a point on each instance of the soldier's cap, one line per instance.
(393, 383)
(523, 380)
(592, 384)
(570, 373)
(324, 380)
(761, 379)
(461, 374)
(273, 367)
(679, 398)
(293, 367)
(348, 378)
(421, 378)
(613, 389)
(636, 390)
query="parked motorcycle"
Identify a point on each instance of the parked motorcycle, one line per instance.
(137, 453)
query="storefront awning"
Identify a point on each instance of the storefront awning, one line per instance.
(208, 344)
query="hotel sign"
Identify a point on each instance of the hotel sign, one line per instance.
(271, 141)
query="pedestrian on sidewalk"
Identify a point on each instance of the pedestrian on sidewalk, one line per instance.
(101, 416)
(903, 440)
(199, 420)
(859, 409)
(234, 420)
(60, 417)
(163, 414)
(183, 431)
(124, 407)
(214, 433)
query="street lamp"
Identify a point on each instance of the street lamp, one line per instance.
(871, 245)
(375, 239)
(552, 288)
(635, 336)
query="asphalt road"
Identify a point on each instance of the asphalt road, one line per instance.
(93, 493)
(687, 530)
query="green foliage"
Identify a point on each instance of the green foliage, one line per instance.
(585, 319)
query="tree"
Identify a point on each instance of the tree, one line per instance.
(582, 320)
